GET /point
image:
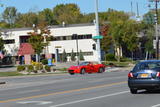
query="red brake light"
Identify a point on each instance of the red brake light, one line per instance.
(158, 74)
(130, 75)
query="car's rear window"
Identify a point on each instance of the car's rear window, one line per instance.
(147, 66)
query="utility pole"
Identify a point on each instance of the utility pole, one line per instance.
(156, 30)
(97, 31)
(156, 27)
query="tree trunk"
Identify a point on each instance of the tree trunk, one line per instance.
(146, 56)
(132, 55)
(37, 58)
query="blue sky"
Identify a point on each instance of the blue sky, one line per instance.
(86, 6)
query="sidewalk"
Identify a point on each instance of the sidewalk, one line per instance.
(7, 68)
(118, 69)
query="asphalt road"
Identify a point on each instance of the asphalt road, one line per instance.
(108, 89)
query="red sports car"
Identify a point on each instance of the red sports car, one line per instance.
(87, 67)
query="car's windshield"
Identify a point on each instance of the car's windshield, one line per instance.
(84, 63)
(147, 66)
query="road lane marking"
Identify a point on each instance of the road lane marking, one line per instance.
(63, 92)
(94, 98)
(36, 102)
(28, 91)
(157, 105)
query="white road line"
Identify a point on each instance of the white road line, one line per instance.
(158, 105)
(94, 98)
(36, 102)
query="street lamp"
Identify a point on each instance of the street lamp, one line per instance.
(97, 31)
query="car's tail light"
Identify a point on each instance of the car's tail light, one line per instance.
(130, 75)
(158, 74)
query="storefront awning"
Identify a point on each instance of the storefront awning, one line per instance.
(25, 49)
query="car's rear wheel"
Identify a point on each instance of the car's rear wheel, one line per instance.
(101, 70)
(133, 91)
(83, 71)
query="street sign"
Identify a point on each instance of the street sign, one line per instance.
(97, 37)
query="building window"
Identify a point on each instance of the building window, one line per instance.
(87, 53)
(9, 41)
(64, 38)
(84, 53)
(70, 37)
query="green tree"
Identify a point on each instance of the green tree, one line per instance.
(68, 13)
(81, 57)
(64, 56)
(10, 15)
(123, 31)
(130, 37)
(73, 56)
(47, 16)
(1, 44)
(27, 19)
(37, 40)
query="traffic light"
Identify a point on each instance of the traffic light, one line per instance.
(94, 46)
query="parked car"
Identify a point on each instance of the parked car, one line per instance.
(145, 75)
(87, 67)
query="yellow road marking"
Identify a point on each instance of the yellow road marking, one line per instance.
(63, 92)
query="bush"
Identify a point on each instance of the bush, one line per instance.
(48, 68)
(110, 57)
(30, 68)
(125, 59)
(39, 67)
(34, 63)
(20, 68)
(44, 61)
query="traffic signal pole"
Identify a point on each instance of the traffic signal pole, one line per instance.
(97, 31)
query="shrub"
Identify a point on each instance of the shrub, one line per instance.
(20, 68)
(34, 63)
(125, 59)
(39, 67)
(110, 57)
(44, 61)
(30, 68)
(48, 68)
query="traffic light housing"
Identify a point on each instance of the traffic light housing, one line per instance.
(94, 46)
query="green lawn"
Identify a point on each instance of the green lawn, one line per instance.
(5, 74)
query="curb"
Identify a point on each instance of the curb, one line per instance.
(2, 83)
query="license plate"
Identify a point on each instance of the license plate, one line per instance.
(144, 75)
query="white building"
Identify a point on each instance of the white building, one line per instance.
(63, 40)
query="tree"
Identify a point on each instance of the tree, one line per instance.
(37, 40)
(47, 16)
(73, 56)
(81, 57)
(130, 37)
(10, 15)
(1, 44)
(64, 56)
(107, 41)
(147, 39)
(68, 13)
(149, 44)
(1, 48)
(123, 31)
(27, 19)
